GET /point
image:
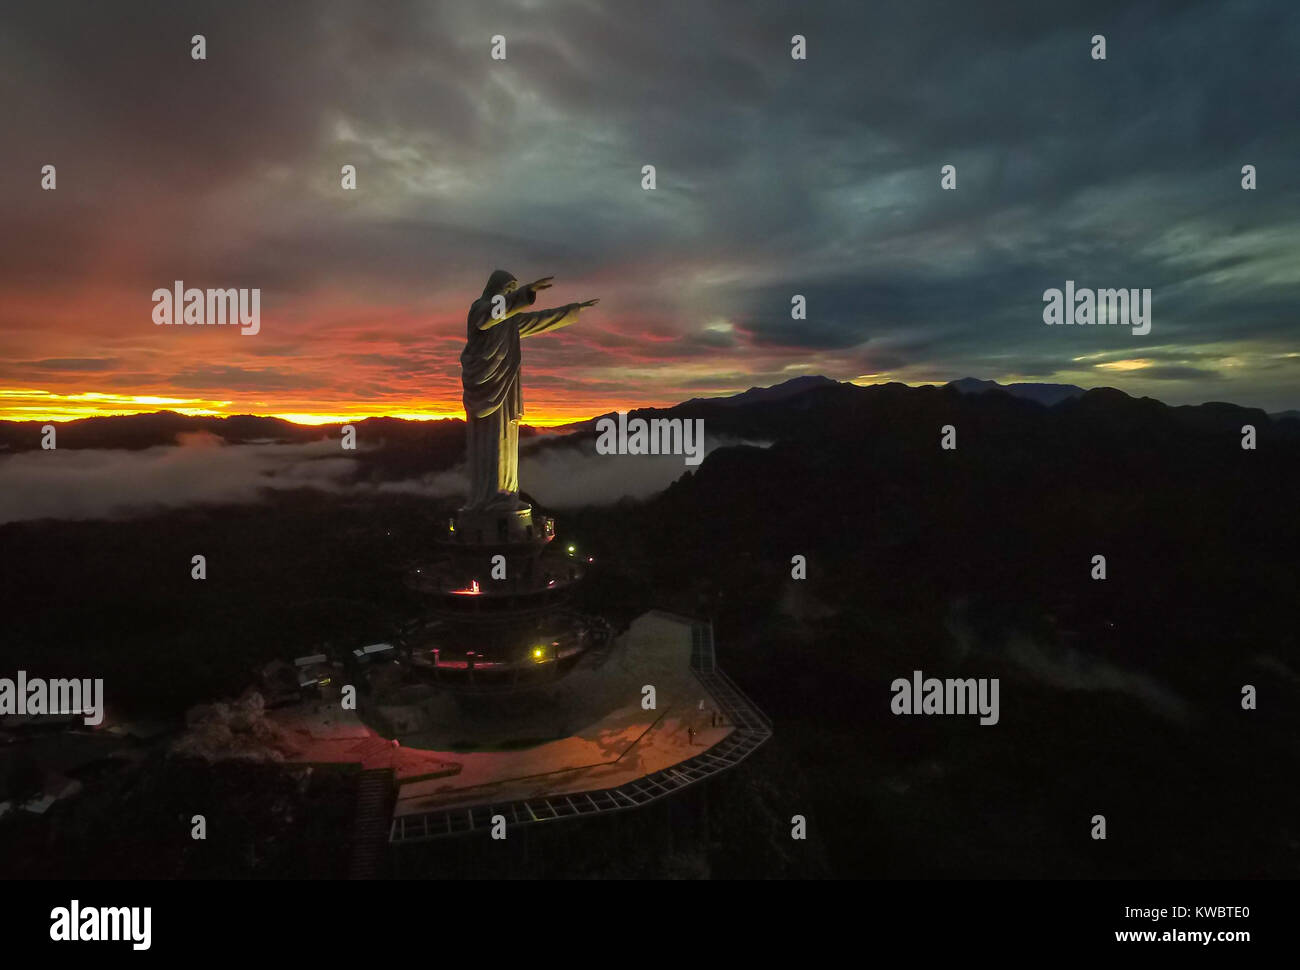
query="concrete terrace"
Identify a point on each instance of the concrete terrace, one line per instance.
(604, 753)
(625, 758)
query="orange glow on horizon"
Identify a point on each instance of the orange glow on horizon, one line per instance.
(21, 404)
(28, 404)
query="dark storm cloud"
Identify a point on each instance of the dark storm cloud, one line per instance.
(21, 370)
(775, 177)
(712, 339)
(217, 377)
(72, 363)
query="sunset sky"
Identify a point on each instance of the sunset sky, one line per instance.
(775, 177)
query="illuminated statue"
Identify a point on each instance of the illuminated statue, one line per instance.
(490, 375)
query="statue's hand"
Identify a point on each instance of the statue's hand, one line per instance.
(589, 303)
(543, 284)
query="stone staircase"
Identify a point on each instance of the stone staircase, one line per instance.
(374, 812)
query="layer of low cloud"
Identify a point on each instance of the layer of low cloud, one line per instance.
(203, 469)
(574, 475)
(1067, 668)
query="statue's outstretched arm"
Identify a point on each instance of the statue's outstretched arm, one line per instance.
(540, 321)
(543, 321)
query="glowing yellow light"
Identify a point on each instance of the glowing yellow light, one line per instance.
(1135, 363)
(538, 653)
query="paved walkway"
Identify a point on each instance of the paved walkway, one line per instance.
(543, 783)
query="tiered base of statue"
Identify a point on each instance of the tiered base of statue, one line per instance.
(498, 594)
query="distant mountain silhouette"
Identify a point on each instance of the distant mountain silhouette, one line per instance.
(135, 431)
(1045, 394)
(777, 392)
(863, 417)
(796, 408)
(785, 391)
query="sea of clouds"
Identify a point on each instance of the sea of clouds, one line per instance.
(202, 468)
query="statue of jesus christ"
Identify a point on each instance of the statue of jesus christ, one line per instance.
(489, 368)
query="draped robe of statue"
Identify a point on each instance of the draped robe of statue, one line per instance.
(493, 400)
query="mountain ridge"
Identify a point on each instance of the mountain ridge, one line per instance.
(753, 412)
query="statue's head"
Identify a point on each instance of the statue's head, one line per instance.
(499, 282)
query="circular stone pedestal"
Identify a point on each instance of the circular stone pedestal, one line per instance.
(503, 527)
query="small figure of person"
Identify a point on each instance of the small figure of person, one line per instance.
(690, 734)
